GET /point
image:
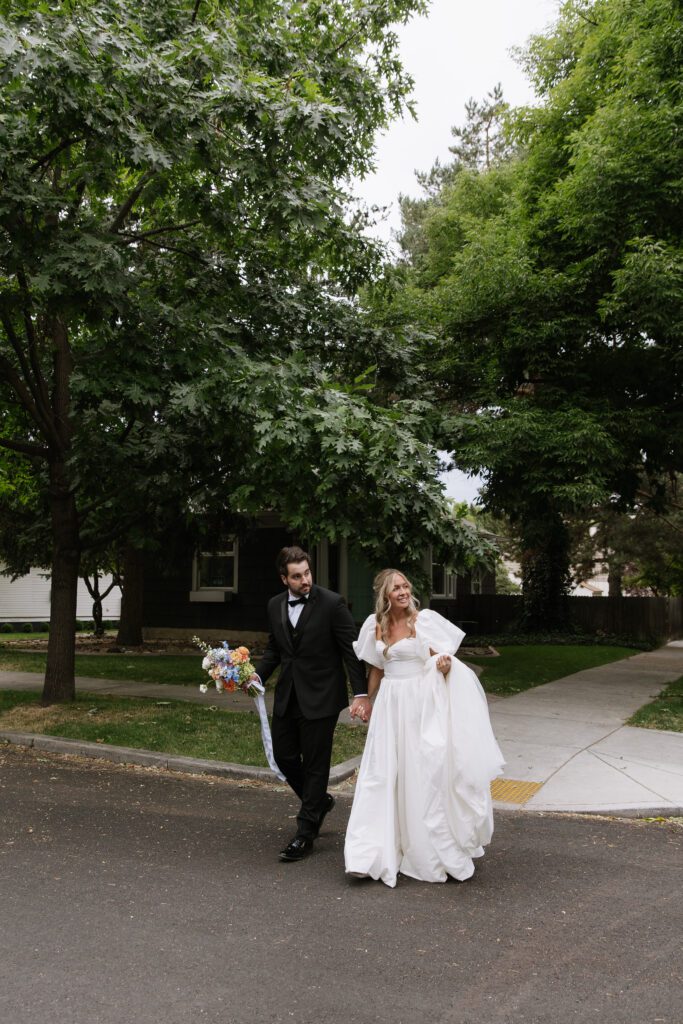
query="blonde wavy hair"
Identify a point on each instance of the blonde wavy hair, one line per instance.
(382, 585)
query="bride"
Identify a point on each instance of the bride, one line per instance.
(422, 804)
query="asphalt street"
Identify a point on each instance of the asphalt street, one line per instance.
(135, 895)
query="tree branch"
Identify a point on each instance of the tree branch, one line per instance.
(10, 375)
(97, 594)
(25, 447)
(19, 352)
(136, 236)
(127, 429)
(80, 192)
(130, 202)
(172, 248)
(648, 494)
(195, 11)
(32, 341)
(46, 157)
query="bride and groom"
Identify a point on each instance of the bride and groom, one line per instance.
(422, 803)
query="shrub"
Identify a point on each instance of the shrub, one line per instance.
(6, 627)
(585, 639)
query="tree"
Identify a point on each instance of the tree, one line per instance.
(552, 284)
(641, 549)
(483, 142)
(177, 277)
(92, 583)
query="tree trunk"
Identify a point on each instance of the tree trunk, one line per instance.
(545, 573)
(98, 628)
(615, 578)
(132, 592)
(60, 681)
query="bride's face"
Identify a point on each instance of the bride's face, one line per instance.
(399, 595)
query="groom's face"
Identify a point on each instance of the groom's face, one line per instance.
(298, 578)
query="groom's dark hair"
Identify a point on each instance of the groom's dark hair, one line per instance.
(289, 555)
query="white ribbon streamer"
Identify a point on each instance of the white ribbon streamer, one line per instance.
(266, 738)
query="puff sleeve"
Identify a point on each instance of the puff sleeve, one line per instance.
(365, 647)
(437, 634)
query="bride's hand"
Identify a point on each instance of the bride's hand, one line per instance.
(443, 663)
(361, 708)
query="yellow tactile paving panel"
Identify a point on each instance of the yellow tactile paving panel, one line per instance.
(512, 791)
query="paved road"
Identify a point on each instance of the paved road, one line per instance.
(132, 896)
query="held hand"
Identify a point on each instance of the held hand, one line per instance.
(443, 663)
(361, 708)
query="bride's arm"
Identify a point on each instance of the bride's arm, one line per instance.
(374, 679)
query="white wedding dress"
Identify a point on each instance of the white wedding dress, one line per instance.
(422, 804)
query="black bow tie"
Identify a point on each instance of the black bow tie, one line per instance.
(296, 600)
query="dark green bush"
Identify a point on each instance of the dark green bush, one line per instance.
(585, 639)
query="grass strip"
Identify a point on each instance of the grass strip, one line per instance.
(170, 727)
(180, 669)
(514, 670)
(664, 712)
(520, 668)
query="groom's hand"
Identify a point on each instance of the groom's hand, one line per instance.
(361, 708)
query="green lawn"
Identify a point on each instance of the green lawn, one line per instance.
(173, 727)
(194, 730)
(665, 712)
(516, 668)
(519, 668)
(141, 668)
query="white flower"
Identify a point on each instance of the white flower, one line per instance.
(207, 663)
(203, 687)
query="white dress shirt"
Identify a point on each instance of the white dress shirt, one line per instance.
(294, 611)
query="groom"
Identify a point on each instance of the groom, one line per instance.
(311, 637)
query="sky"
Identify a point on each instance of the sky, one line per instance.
(460, 50)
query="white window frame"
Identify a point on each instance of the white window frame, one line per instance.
(477, 580)
(215, 594)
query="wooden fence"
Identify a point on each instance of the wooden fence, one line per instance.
(642, 618)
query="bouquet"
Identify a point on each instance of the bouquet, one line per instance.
(230, 668)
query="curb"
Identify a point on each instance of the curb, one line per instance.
(223, 769)
(153, 759)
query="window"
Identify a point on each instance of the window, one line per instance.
(444, 581)
(214, 573)
(477, 586)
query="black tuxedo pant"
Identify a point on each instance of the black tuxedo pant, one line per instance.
(303, 751)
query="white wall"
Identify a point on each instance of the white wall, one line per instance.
(28, 599)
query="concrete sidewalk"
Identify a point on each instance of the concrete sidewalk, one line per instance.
(567, 748)
(565, 743)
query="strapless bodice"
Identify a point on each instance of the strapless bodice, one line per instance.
(403, 658)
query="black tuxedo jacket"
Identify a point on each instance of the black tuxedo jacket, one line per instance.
(313, 661)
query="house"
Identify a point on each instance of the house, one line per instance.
(228, 590)
(27, 599)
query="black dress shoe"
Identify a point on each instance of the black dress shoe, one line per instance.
(329, 804)
(299, 848)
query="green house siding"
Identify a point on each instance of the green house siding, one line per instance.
(360, 597)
